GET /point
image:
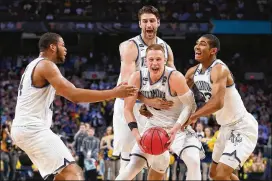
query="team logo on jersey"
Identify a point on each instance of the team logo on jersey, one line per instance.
(164, 79)
(235, 139)
(145, 79)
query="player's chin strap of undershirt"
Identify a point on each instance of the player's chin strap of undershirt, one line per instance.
(188, 101)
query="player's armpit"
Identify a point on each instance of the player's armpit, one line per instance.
(170, 61)
(128, 53)
(190, 75)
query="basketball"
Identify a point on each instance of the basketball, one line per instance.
(154, 141)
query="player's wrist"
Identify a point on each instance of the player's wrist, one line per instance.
(132, 125)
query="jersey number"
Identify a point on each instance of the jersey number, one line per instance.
(21, 83)
(206, 95)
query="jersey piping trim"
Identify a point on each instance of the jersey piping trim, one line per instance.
(46, 85)
(137, 49)
(169, 83)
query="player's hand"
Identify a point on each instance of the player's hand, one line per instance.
(191, 121)
(143, 111)
(123, 90)
(159, 103)
(172, 134)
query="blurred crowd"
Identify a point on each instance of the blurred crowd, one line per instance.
(123, 10)
(87, 132)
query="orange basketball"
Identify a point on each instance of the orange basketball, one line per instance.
(154, 141)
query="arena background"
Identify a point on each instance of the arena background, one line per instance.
(92, 31)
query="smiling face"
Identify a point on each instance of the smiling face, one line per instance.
(155, 62)
(149, 24)
(203, 50)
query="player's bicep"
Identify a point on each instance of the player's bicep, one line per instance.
(51, 73)
(219, 76)
(129, 54)
(178, 83)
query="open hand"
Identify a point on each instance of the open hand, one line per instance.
(159, 103)
(123, 90)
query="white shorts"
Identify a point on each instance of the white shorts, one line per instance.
(182, 141)
(44, 148)
(123, 138)
(236, 142)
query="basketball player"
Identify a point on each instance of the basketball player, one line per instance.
(33, 115)
(132, 54)
(160, 81)
(239, 130)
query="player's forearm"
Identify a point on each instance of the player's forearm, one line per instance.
(84, 95)
(209, 108)
(129, 116)
(144, 99)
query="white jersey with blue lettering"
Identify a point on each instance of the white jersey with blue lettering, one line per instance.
(233, 108)
(160, 89)
(141, 46)
(34, 105)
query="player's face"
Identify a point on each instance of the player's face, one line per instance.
(203, 51)
(61, 51)
(155, 61)
(149, 25)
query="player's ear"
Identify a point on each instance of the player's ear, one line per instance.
(214, 51)
(53, 47)
(159, 22)
(140, 24)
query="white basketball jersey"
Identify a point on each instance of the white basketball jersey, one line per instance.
(34, 105)
(160, 89)
(233, 108)
(141, 46)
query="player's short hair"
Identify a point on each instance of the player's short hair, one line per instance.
(148, 10)
(47, 39)
(213, 41)
(155, 47)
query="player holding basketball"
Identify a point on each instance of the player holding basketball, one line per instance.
(133, 52)
(239, 130)
(33, 115)
(160, 81)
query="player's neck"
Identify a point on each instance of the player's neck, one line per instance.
(46, 55)
(208, 63)
(149, 42)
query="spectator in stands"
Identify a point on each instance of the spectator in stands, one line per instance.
(106, 145)
(78, 139)
(205, 163)
(199, 130)
(90, 149)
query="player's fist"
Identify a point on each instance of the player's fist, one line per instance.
(123, 90)
(143, 111)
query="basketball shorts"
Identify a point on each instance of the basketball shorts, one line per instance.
(123, 138)
(44, 148)
(182, 141)
(236, 142)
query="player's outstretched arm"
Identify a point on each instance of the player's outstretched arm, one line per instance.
(129, 53)
(219, 76)
(189, 76)
(129, 104)
(170, 61)
(50, 72)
